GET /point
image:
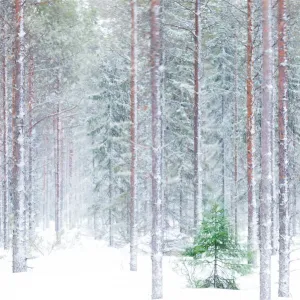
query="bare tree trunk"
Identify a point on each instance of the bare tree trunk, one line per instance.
(133, 132)
(10, 144)
(162, 103)
(57, 177)
(19, 241)
(236, 139)
(224, 163)
(181, 206)
(29, 187)
(70, 200)
(61, 177)
(47, 189)
(266, 163)
(157, 214)
(5, 187)
(110, 216)
(252, 217)
(292, 175)
(284, 237)
(197, 128)
(45, 194)
(274, 228)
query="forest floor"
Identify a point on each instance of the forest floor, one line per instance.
(87, 269)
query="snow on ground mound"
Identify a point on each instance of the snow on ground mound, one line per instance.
(91, 270)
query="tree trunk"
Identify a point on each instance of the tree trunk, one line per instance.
(252, 217)
(284, 237)
(133, 133)
(292, 175)
(57, 178)
(61, 176)
(70, 199)
(236, 139)
(5, 187)
(19, 241)
(29, 187)
(162, 103)
(197, 129)
(157, 217)
(266, 180)
(45, 196)
(224, 164)
(274, 228)
(110, 216)
(181, 206)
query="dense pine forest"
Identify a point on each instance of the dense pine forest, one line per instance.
(167, 128)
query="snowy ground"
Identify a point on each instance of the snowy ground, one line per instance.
(90, 270)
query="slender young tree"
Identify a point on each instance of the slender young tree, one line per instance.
(284, 236)
(133, 140)
(19, 229)
(157, 214)
(252, 217)
(266, 178)
(197, 128)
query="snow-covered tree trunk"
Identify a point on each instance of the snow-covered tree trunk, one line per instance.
(252, 217)
(182, 220)
(110, 183)
(30, 140)
(235, 113)
(5, 124)
(70, 197)
(274, 229)
(266, 155)
(62, 175)
(47, 190)
(284, 237)
(224, 164)
(133, 139)
(197, 115)
(163, 119)
(45, 194)
(157, 214)
(19, 240)
(57, 175)
(292, 181)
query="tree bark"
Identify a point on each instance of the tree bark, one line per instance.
(70, 198)
(133, 133)
(57, 178)
(29, 187)
(284, 237)
(181, 206)
(61, 176)
(266, 179)
(274, 229)
(224, 165)
(19, 240)
(197, 128)
(5, 187)
(157, 214)
(252, 217)
(110, 179)
(45, 196)
(236, 139)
